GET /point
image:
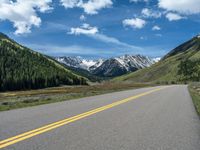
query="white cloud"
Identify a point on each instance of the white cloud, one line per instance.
(134, 22)
(93, 32)
(90, 7)
(85, 29)
(148, 13)
(82, 18)
(136, 1)
(156, 28)
(23, 14)
(181, 6)
(70, 3)
(107, 39)
(173, 17)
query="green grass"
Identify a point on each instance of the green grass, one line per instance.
(163, 72)
(194, 90)
(167, 71)
(20, 99)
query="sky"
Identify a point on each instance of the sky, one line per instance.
(100, 28)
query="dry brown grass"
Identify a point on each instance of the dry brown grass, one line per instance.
(18, 99)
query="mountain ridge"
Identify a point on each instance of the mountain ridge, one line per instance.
(109, 67)
(184, 47)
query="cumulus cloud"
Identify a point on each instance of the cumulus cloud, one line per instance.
(90, 6)
(181, 6)
(173, 17)
(156, 28)
(85, 29)
(148, 13)
(70, 3)
(23, 14)
(134, 22)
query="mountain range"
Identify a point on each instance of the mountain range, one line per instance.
(79, 62)
(22, 68)
(109, 67)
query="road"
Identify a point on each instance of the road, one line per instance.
(156, 118)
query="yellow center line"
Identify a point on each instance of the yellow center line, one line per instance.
(46, 128)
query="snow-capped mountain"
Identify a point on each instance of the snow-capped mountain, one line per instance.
(111, 67)
(79, 62)
(136, 61)
(123, 64)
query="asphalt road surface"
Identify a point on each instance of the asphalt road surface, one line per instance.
(157, 118)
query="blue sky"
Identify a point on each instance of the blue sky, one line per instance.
(100, 28)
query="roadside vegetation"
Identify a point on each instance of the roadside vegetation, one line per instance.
(194, 89)
(19, 99)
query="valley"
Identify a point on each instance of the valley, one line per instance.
(64, 78)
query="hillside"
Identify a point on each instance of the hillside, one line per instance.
(22, 68)
(179, 65)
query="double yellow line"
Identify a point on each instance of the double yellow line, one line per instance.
(46, 128)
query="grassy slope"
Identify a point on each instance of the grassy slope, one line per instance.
(195, 94)
(164, 71)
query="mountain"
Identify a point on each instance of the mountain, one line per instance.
(23, 68)
(180, 65)
(79, 62)
(121, 65)
(110, 67)
(192, 45)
